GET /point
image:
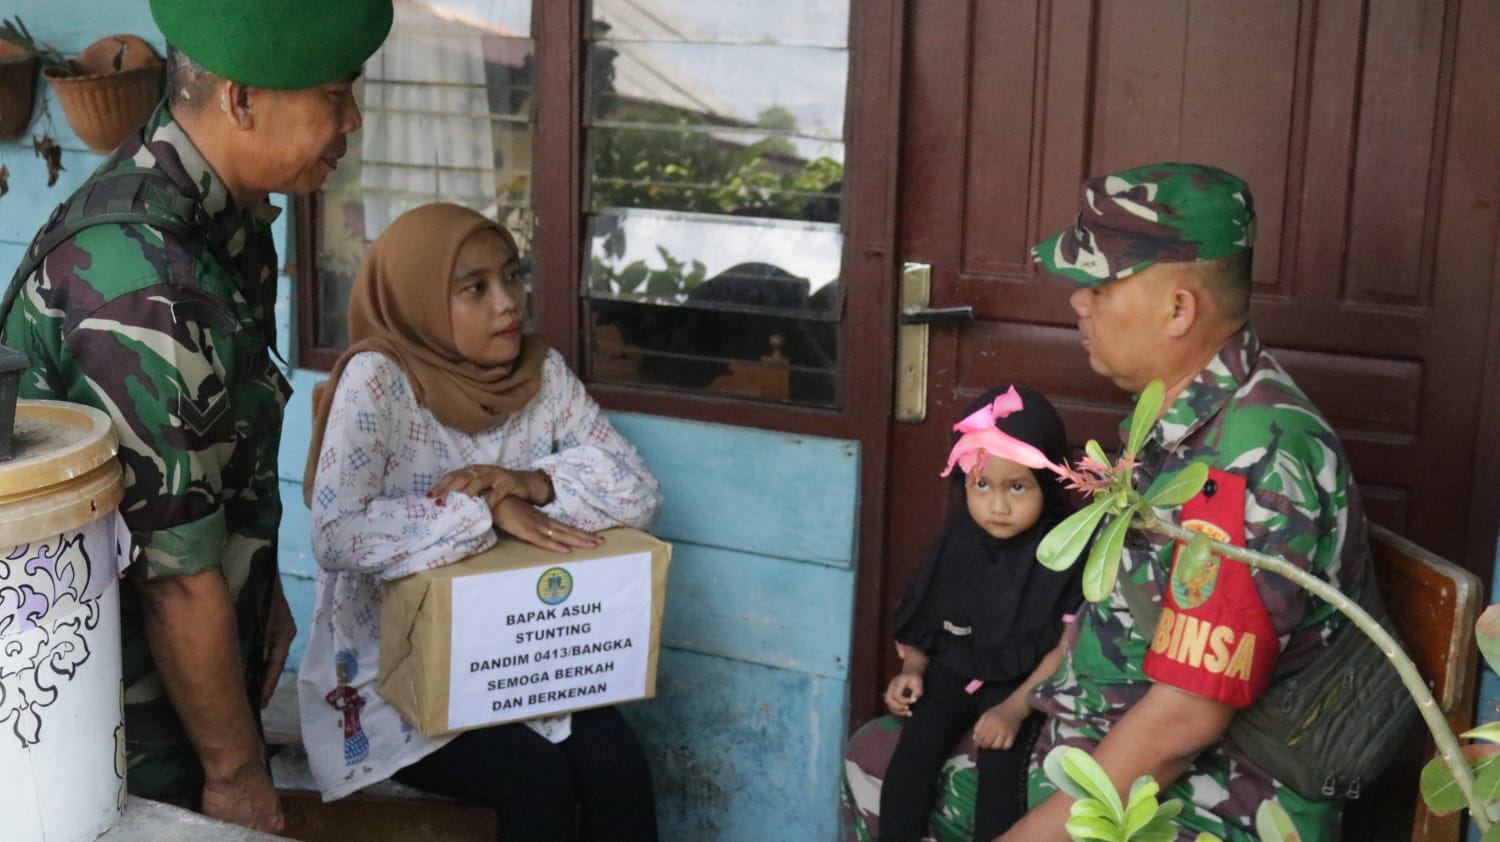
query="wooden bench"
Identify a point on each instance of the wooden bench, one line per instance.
(383, 812)
(1434, 605)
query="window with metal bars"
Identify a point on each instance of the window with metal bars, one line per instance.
(712, 158)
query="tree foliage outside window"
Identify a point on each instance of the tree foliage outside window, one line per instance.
(681, 307)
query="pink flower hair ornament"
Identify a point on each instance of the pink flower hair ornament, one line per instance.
(981, 439)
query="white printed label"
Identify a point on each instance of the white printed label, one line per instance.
(545, 640)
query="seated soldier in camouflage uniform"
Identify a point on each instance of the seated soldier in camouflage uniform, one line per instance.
(169, 328)
(1161, 259)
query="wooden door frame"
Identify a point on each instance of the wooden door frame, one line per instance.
(1477, 127)
(869, 274)
(877, 41)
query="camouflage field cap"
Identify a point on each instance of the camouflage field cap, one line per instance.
(283, 44)
(1159, 213)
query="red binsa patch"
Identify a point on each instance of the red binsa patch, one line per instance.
(1214, 638)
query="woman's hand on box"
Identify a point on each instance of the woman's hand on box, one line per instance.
(518, 518)
(493, 483)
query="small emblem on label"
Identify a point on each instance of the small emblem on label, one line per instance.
(555, 585)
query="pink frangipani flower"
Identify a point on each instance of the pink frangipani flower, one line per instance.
(981, 439)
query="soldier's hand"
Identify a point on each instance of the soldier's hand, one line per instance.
(280, 630)
(246, 798)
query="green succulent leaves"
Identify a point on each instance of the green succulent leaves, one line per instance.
(1104, 559)
(1097, 812)
(1064, 544)
(1178, 487)
(1116, 504)
(1097, 815)
(1147, 408)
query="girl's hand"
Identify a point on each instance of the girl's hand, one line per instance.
(997, 728)
(493, 483)
(903, 692)
(520, 519)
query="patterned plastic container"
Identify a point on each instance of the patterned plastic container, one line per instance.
(62, 549)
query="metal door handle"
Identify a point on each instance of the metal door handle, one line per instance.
(937, 315)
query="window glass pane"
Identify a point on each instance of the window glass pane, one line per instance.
(714, 171)
(673, 258)
(717, 303)
(816, 23)
(715, 175)
(655, 82)
(447, 117)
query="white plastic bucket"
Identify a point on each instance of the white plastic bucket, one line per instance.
(62, 549)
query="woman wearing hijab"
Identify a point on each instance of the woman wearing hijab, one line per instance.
(447, 424)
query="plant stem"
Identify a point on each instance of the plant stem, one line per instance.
(1442, 735)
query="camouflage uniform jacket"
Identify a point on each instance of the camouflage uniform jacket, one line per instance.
(1242, 416)
(172, 339)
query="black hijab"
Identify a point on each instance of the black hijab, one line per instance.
(995, 586)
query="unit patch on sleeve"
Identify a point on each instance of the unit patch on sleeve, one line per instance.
(1214, 637)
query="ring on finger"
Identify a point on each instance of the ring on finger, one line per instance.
(548, 533)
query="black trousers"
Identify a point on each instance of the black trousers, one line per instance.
(939, 719)
(593, 786)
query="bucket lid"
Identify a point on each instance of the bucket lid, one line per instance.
(54, 443)
(64, 474)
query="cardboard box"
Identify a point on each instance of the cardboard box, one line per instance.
(517, 632)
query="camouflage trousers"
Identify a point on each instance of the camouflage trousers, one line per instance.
(865, 759)
(1219, 794)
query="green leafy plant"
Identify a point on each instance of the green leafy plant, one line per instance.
(1441, 789)
(668, 285)
(1099, 815)
(679, 164)
(14, 30)
(1119, 508)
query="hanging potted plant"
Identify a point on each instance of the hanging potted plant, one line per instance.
(109, 90)
(17, 84)
(20, 55)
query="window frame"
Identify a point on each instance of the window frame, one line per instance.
(303, 270)
(872, 255)
(560, 247)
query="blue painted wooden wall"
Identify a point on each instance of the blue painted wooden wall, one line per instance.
(745, 732)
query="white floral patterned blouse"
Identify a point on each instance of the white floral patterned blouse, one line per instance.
(372, 522)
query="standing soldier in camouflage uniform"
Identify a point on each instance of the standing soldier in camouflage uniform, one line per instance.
(167, 326)
(1161, 257)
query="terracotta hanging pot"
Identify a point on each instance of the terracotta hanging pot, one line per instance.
(116, 86)
(17, 89)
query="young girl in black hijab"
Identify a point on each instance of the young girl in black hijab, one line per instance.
(979, 624)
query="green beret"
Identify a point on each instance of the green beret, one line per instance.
(285, 44)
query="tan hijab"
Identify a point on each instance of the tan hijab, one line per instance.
(400, 308)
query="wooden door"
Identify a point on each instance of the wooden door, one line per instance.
(1367, 133)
